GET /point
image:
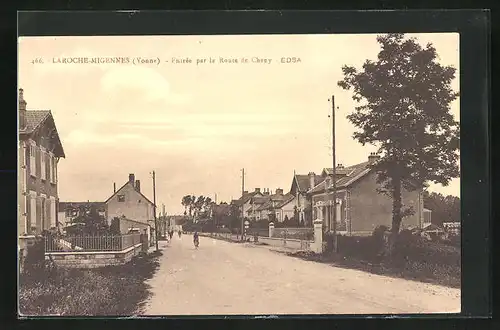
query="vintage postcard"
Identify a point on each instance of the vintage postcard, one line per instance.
(239, 174)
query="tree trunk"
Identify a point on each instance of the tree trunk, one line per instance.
(396, 213)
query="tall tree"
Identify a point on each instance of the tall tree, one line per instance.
(404, 109)
(93, 223)
(186, 202)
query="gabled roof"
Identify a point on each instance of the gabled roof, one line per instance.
(267, 205)
(126, 183)
(34, 120)
(354, 173)
(246, 197)
(288, 199)
(302, 181)
(259, 199)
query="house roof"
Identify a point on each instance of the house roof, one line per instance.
(303, 183)
(246, 197)
(126, 183)
(353, 174)
(236, 202)
(66, 205)
(267, 205)
(34, 120)
(259, 199)
(288, 199)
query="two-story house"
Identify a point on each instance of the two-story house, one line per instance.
(301, 184)
(130, 202)
(359, 206)
(40, 150)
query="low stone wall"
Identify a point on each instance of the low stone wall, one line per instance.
(288, 243)
(93, 259)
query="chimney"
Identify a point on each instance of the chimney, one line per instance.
(131, 178)
(279, 191)
(340, 166)
(257, 190)
(373, 158)
(312, 182)
(114, 187)
(138, 185)
(22, 110)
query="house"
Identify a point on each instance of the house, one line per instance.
(359, 207)
(256, 202)
(269, 210)
(301, 184)
(286, 209)
(130, 203)
(68, 211)
(243, 202)
(40, 150)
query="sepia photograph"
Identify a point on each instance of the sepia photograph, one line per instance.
(291, 174)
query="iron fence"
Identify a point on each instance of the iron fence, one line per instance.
(91, 243)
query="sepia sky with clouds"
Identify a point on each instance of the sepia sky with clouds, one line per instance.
(198, 125)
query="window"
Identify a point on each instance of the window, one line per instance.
(32, 151)
(32, 216)
(51, 168)
(43, 168)
(121, 198)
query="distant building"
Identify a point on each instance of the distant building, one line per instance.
(130, 202)
(40, 150)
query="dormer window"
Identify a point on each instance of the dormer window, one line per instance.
(121, 198)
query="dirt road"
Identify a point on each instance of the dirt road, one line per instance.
(227, 278)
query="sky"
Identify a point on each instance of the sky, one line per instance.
(198, 124)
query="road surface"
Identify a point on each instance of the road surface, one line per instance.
(226, 278)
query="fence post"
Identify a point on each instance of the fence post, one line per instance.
(318, 236)
(271, 229)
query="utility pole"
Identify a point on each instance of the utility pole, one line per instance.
(333, 226)
(242, 208)
(154, 203)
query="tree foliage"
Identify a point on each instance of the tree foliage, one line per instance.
(444, 208)
(200, 205)
(89, 221)
(404, 109)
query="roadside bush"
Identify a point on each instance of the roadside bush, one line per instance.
(361, 247)
(108, 291)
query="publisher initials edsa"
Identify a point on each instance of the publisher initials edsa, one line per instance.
(291, 60)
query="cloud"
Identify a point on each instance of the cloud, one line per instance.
(149, 82)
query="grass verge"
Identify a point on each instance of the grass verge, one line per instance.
(108, 291)
(445, 275)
